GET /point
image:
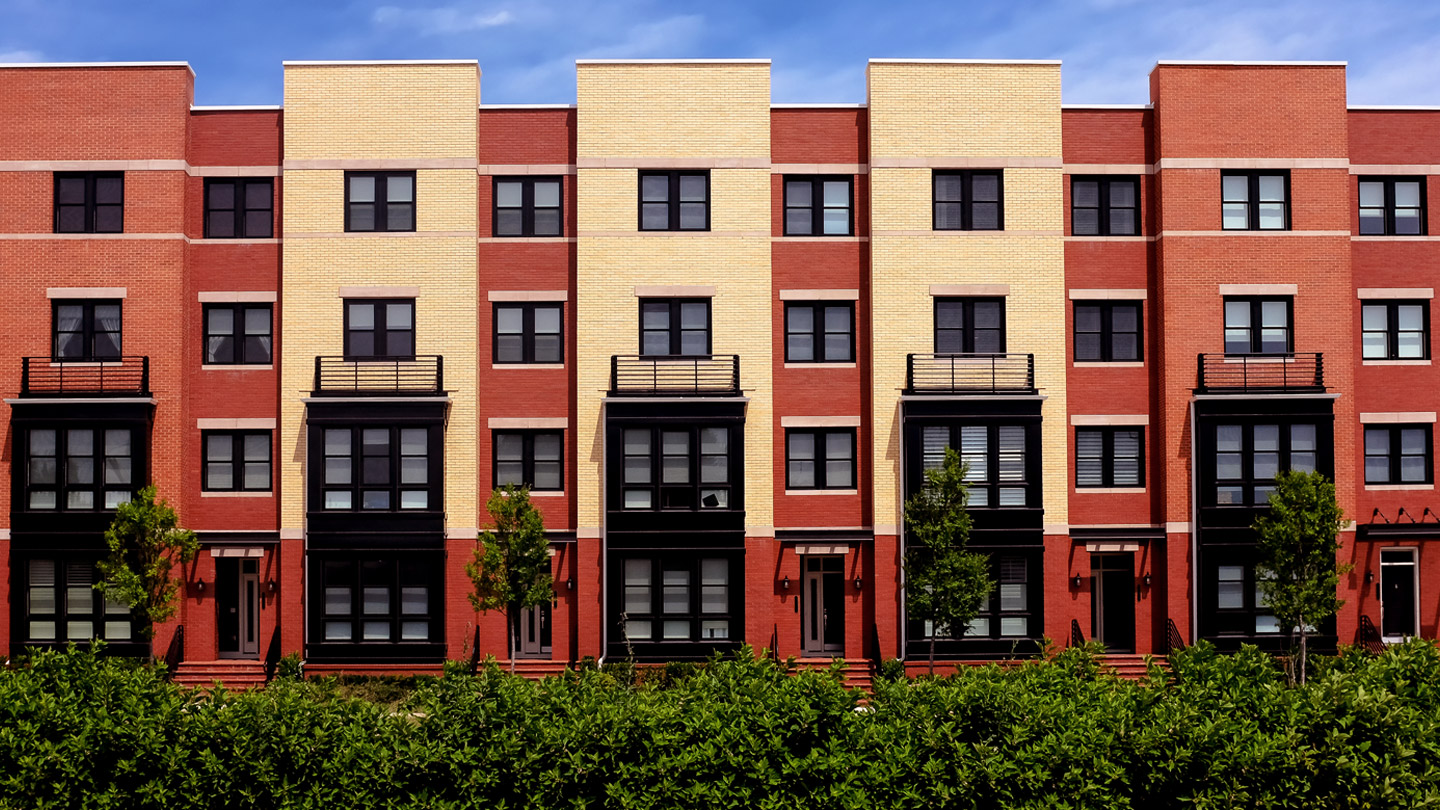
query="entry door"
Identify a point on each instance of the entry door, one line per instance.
(1112, 600)
(1397, 592)
(535, 631)
(237, 600)
(822, 604)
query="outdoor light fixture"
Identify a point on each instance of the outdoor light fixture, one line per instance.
(1369, 577)
(570, 584)
(270, 586)
(1077, 582)
(200, 585)
(1147, 580)
(859, 584)
(785, 583)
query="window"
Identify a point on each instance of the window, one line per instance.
(239, 208)
(86, 330)
(820, 333)
(1258, 326)
(1392, 206)
(969, 325)
(1006, 612)
(1104, 206)
(998, 459)
(379, 469)
(1255, 201)
(78, 469)
(817, 206)
(1248, 457)
(62, 605)
(530, 459)
(1398, 454)
(89, 202)
(674, 201)
(678, 598)
(1395, 330)
(1237, 591)
(1107, 332)
(528, 333)
(238, 334)
(377, 328)
(675, 326)
(676, 468)
(820, 459)
(969, 201)
(380, 601)
(380, 201)
(527, 206)
(1109, 457)
(236, 461)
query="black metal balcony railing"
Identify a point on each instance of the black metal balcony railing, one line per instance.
(115, 377)
(970, 373)
(423, 375)
(711, 375)
(1260, 373)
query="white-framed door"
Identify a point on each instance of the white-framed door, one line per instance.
(1399, 593)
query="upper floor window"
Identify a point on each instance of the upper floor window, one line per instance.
(236, 208)
(86, 330)
(822, 332)
(998, 471)
(379, 469)
(1248, 457)
(818, 206)
(676, 468)
(969, 201)
(1105, 206)
(1109, 457)
(78, 469)
(969, 325)
(89, 202)
(1395, 330)
(1258, 326)
(527, 206)
(380, 328)
(238, 334)
(1255, 201)
(1107, 331)
(675, 326)
(528, 333)
(1398, 454)
(675, 201)
(820, 459)
(236, 461)
(1392, 206)
(380, 201)
(531, 459)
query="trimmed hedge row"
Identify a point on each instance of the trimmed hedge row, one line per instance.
(80, 731)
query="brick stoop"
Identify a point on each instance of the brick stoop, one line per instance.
(534, 668)
(232, 674)
(1129, 666)
(858, 673)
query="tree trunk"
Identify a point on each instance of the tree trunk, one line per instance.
(1302, 652)
(932, 652)
(512, 635)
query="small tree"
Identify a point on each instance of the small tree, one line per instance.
(1296, 567)
(944, 584)
(146, 543)
(511, 569)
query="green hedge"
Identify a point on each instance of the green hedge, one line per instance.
(1225, 731)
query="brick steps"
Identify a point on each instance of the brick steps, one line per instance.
(1129, 666)
(232, 674)
(857, 673)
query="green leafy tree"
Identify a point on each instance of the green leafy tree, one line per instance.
(1296, 567)
(511, 569)
(146, 543)
(944, 584)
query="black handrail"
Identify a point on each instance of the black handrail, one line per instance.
(774, 650)
(1260, 373)
(272, 657)
(876, 654)
(420, 375)
(1173, 641)
(175, 653)
(970, 373)
(111, 377)
(475, 653)
(675, 375)
(1368, 637)
(1077, 638)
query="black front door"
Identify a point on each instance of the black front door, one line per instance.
(1397, 592)
(1112, 604)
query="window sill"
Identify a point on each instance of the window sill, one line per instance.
(547, 493)
(526, 366)
(237, 367)
(820, 237)
(227, 494)
(1397, 487)
(822, 492)
(819, 365)
(1109, 364)
(86, 363)
(1109, 490)
(1394, 362)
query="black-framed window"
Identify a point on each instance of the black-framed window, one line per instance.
(1259, 325)
(238, 334)
(1255, 201)
(969, 200)
(79, 469)
(528, 206)
(86, 330)
(819, 206)
(1249, 456)
(680, 597)
(1105, 206)
(239, 208)
(379, 327)
(1398, 454)
(380, 201)
(969, 325)
(674, 326)
(1108, 331)
(820, 332)
(675, 201)
(89, 202)
(62, 605)
(1393, 206)
(1006, 613)
(236, 460)
(530, 458)
(1239, 602)
(820, 459)
(999, 471)
(529, 333)
(1395, 330)
(673, 467)
(380, 469)
(1109, 457)
(380, 601)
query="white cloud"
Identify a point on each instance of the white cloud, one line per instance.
(20, 56)
(440, 21)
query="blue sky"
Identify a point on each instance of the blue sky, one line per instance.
(527, 48)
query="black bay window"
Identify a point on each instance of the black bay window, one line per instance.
(1003, 470)
(677, 468)
(79, 469)
(380, 469)
(690, 598)
(1249, 456)
(61, 605)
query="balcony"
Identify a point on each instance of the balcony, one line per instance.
(704, 375)
(116, 377)
(1260, 373)
(970, 373)
(418, 376)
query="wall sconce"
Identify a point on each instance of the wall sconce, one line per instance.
(570, 584)
(785, 583)
(1369, 577)
(859, 584)
(200, 585)
(1147, 580)
(270, 586)
(1076, 582)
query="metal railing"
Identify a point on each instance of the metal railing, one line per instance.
(114, 377)
(675, 375)
(380, 376)
(970, 373)
(175, 653)
(1173, 641)
(1369, 637)
(1260, 373)
(1077, 638)
(272, 658)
